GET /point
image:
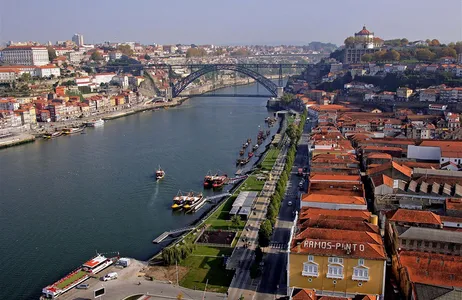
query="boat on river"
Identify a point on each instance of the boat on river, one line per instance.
(192, 200)
(95, 123)
(72, 130)
(241, 153)
(255, 147)
(250, 154)
(52, 135)
(160, 173)
(219, 181)
(79, 275)
(186, 200)
(242, 161)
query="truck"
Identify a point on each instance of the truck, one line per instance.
(124, 262)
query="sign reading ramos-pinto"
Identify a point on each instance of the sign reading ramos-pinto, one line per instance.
(333, 245)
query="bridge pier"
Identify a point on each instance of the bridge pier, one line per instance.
(280, 92)
(169, 94)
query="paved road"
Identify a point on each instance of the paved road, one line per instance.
(275, 270)
(127, 284)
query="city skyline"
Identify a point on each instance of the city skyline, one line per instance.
(236, 22)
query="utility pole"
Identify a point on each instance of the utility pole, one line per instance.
(176, 264)
(203, 296)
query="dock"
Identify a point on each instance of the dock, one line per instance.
(164, 235)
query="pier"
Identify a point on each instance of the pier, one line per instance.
(164, 235)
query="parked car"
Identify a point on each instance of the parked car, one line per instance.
(289, 203)
(82, 286)
(110, 276)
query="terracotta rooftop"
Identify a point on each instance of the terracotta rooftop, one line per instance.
(337, 199)
(335, 178)
(431, 268)
(355, 225)
(416, 216)
(378, 155)
(454, 204)
(316, 213)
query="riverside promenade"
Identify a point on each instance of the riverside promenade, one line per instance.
(242, 257)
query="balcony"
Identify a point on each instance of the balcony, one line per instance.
(360, 278)
(310, 274)
(334, 276)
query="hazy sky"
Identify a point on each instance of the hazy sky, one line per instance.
(227, 21)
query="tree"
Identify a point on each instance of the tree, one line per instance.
(96, 56)
(236, 220)
(196, 52)
(434, 42)
(391, 55)
(51, 53)
(366, 57)
(219, 51)
(264, 233)
(147, 57)
(349, 41)
(26, 77)
(424, 54)
(447, 51)
(291, 132)
(125, 49)
(404, 41)
(458, 47)
(287, 98)
(379, 55)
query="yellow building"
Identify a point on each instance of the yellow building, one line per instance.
(336, 256)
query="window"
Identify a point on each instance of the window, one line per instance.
(361, 262)
(335, 272)
(360, 274)
(310, 269)
(336, 260)
(310, 258)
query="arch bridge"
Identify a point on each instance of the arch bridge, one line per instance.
(251, 70)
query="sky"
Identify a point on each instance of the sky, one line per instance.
(225, 22)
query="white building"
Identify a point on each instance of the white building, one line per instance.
(48, 70)
(7, 75)
(25, 55)
(113, 55)
(103, 78)
(78, 39)
(75, 57)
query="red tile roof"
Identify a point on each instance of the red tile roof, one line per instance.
(415, 216)
(337, 199)
(454, 204)
(431, 268)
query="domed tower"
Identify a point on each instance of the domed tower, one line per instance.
(365, 38)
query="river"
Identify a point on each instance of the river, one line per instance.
(62, 200)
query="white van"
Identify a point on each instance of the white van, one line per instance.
(110, 276)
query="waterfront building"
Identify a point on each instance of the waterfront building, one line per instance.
(364, 42)
(337, 253)
(9, 104)
(78, 39)
(25, 55)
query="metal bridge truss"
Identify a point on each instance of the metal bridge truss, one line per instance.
(268, 84)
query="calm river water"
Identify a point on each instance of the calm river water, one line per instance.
(64, 199)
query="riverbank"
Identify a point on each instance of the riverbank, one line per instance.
(16, 139)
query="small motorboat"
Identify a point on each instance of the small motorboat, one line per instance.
(160, 173)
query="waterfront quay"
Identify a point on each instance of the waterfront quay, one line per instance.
(103, 179)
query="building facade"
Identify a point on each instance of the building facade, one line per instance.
(25, 55)
(78, 39)
(364, 43)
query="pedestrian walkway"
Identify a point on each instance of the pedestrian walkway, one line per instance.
(243, 254)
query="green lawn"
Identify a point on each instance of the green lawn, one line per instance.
(270, 159)
(208, 267)
(71, 279)
(252, 184)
